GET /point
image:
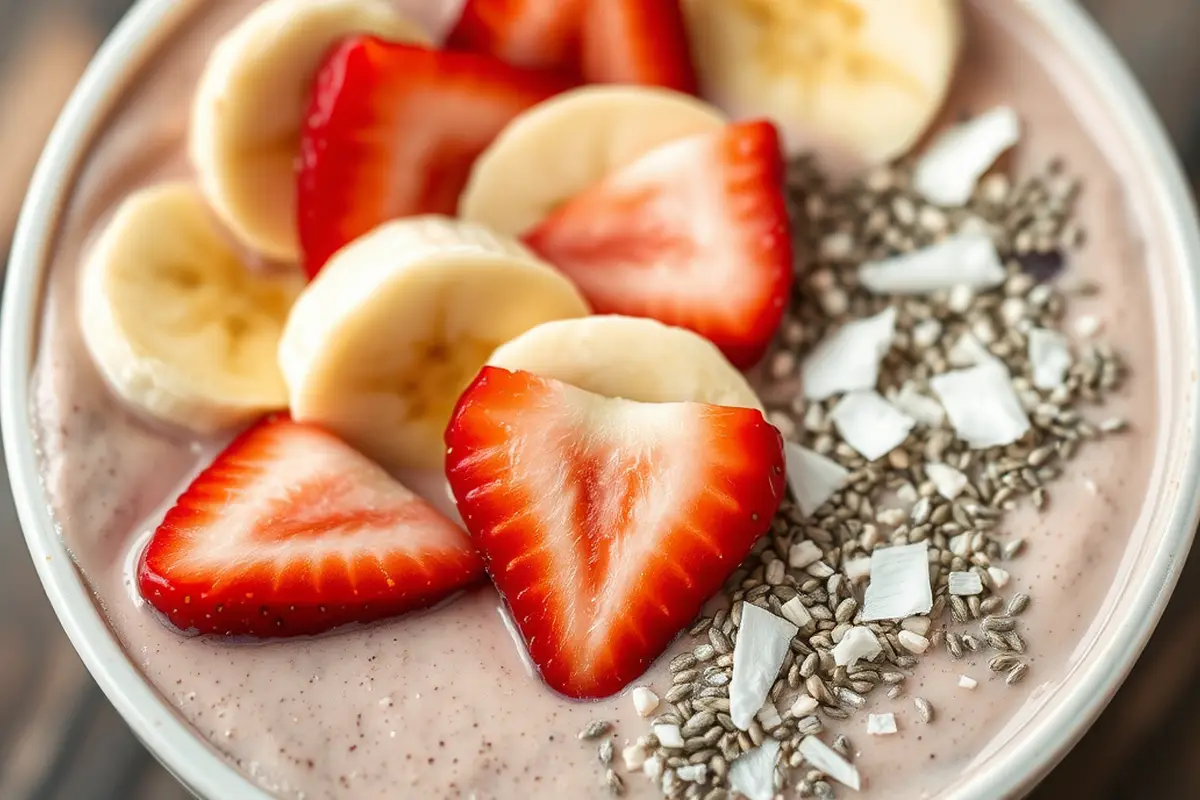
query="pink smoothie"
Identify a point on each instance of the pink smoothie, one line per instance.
(440, 704)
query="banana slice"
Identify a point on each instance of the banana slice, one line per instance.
(563, 145)
(857, 81)
(382, 342)
(630, 357)
(175, 322)
(245, 128)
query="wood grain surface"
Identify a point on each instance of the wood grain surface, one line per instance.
(61, 740)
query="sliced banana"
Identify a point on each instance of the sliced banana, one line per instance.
(857, 81)
(630, 357)
(555, 149)
(175, 322)
(245, 127)
(382, 342)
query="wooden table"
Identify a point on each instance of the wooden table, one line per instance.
(61, 740)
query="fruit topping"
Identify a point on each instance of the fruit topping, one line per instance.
(380, 344)
(392, 131)
(291, 532)
(176, 323)
(694, 233)
(606, 523)
(245, 125)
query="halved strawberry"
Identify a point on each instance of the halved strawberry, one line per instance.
(694, 234)
(393, 130)
(528, 33)
(290, 532)
(605, 41)
(606, 523)
(636, 41)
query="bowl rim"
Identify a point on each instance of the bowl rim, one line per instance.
(206, 773)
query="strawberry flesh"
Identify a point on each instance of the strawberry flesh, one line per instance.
(693, 234)
(641, 42)
(606, 523)
(527, 33)
(603, 41)
(290, 532)
(393, 130)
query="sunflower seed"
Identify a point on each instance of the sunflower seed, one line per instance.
(998, 624)
(681, 662)
(924, 709)
(595, 729)
(1003, 662)
(614, 782)
(1018, 604)
(605, 752)
(699, 723)
(1016, 673)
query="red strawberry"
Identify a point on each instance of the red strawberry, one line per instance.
(528, 33)
(605, 41)
(636, 41)
(393, 130)
(694, 234)
(292, 532)
(606, 524)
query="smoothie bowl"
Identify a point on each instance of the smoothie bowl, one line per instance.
(578, 400)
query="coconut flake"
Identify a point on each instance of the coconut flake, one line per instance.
(812, 477)
(913, 642)
(753, 772)
(899, 584)
(693, 773)
(966, 682)
(924, 409)
(982, 405)
(848, 359)
(827, 760)
(858, 643)
(668, 735)
(634, 757)
(965, 259)
(965, 583)
(881, 724)
(1000, 577)
(948, 481)
(644, 701)
(653, 767)
(762, 644)
(795, 612)
(1049, 358)
(871, 425)
(955, 161)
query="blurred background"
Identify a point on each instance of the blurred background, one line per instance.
(60, 739)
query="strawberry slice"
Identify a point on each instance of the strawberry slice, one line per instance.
(528, 33)
(290, 532)
(694, 234)
(392, 131)
(606, 523)
(636, 41)
(605, 41)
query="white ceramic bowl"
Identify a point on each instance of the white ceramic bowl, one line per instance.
(1150, 566)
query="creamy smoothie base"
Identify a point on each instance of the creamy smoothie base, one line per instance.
(440, 703)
